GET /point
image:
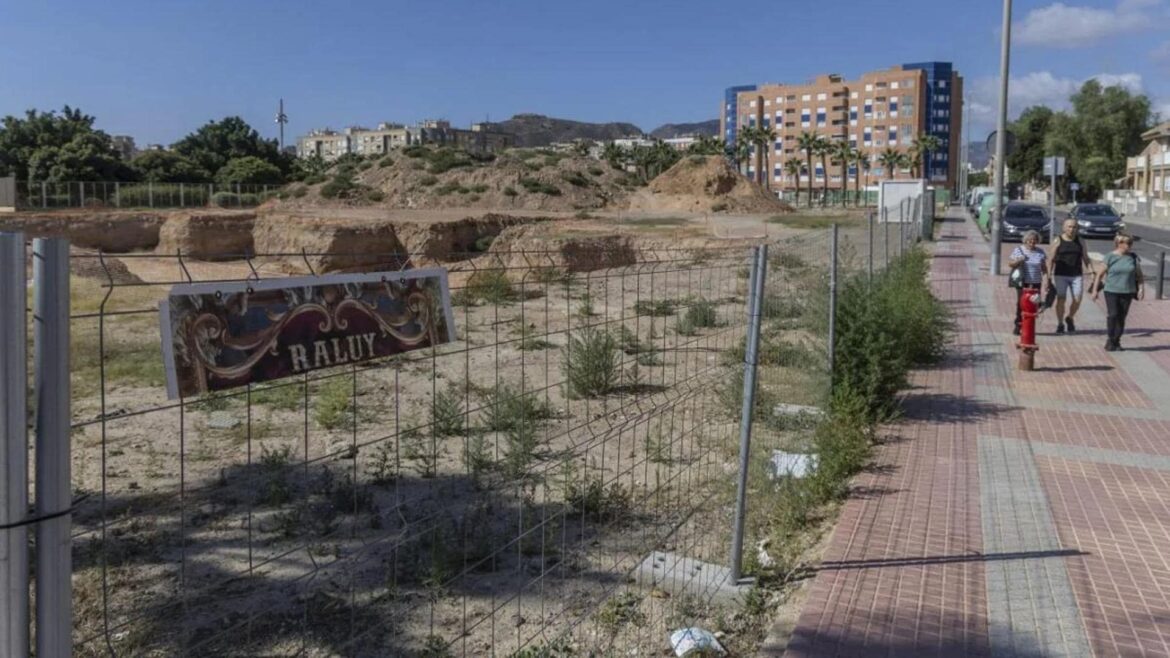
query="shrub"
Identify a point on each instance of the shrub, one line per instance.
(428, 180)
(275, 489)
(510, 191)
(718, 207)
(483, 243)
(619, 611)
(447, 188)
(522, 440)
(445, 160)
(298, 191)
(506, 408)
(702, 313)
(595, 501)
(383, 465)
(478, 188)
(416, 151)
(385, 162)
(655, 307)
(420, 452)
(596, 171)
(539, 187)
(375, 195)
(491, 286)
(335, 403)
(447, 412)
(592, 367)
(575, 178)
(315, 179)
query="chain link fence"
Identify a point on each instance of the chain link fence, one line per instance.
(130, 195)
(515, 492)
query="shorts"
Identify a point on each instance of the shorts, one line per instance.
(1066, 283)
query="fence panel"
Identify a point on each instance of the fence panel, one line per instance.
(138, 195)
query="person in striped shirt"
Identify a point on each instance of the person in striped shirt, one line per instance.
(1033, 265)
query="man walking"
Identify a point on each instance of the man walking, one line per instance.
(1069, 260)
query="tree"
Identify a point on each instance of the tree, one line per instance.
(706, 145)
(615, 155)
(217, 142)
(249, 170)
(808, 142)
(743, 151)
(841, 152)
(978, 179)
(46, 146)
(167, 167)
(858, 160)
(920, 150)
(794, 168)
(1031, 131)
(762, 138)
(890, 159)
(824, 148)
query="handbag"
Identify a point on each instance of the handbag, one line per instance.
(1050, 296)
(1016, 277)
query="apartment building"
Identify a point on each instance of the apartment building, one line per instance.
(1149, 171)
(879, 110)
(330, 144)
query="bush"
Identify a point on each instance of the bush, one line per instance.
(478, 188)
(491, 286)
(592, 366)
(483, 243)
(596, 171)
(597, 502)
(447, 412)
(375, 196)
(446, 159)
(416, 151)
(335, 403)
(539, 187)
(385, 162)
(506, 408)
(655, 307)
(885, 328)
(718, 207)
(701, 313)
(575, 178)
(510, 191)
(428, 180)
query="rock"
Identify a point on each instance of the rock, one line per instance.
(791, 464)
(222, 420)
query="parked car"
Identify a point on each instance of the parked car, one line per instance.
(1097, 220)
(984, 209)
(1019, 218)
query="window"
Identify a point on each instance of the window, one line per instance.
(753, 104)
(942, 84)
(869, 87)
(790, 98)
(909, 84)
(821, 97)
(894, 85)
(779, 146)
(853, 113)
(806, 97)
(767, 103)
(779, 100)
(893, 134)
(893, 104)
(853, 95)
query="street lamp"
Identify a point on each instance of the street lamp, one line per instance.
(1001, 135)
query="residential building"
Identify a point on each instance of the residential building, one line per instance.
(681, 143)
(631, 142)
(879, 110)
(1148, 173)
(330, 145)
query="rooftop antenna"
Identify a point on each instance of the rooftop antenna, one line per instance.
(281, 118)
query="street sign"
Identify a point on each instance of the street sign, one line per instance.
(1054, 166)
(1075, 187)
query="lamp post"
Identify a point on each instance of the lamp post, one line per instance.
(1001, 135)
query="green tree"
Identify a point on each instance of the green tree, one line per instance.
(824, 149)
(706, 145)
(46, 146)
(808, 142)
(794, 168)
(217, 142)
(1031, 131)
(978, 179)
(762, 138)
(742, 151)
(890, 160)
(167, 167)
(920, 150)
(841, 152)
(249, 170)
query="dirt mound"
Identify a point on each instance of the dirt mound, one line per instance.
(219, 236)
(540, 247)
(103, 269)
(117, 232)
(519, 180)
(706, 184)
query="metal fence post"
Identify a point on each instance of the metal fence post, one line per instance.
(869, 260)
(150, 193)
(833, 306)
(751, 353)
(14, 628)
(44, 196)
(902, 226)
(1159, 286)
(886, 241)
(81, 195)
(181, 204)
(53, 480)
(117, 194)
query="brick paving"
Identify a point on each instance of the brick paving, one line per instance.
(1011, 513)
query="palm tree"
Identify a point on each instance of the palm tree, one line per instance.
(614, 155)
(858, 160)
(794, 168)
(842, 151)
(890, 160)
(807, 142)
(743, 150)
(761, 137)
(824, 148)
(921, 149)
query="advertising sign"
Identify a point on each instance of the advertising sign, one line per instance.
(218, 336)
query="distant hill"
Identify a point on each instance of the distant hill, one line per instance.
(666, 131)
(539, 130)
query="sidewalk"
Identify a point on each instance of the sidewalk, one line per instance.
(1011, 513)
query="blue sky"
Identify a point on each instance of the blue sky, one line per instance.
(156, 70)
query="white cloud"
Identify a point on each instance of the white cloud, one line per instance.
(1161, 53)
(1064, 26)
(1037, 88)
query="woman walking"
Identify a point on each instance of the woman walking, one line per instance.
(1033, 266)
(1069, 260)
(1123, 283)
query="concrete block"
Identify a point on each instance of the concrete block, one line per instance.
(677, 574)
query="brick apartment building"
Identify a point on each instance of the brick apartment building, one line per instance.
(881, 109)
(330, 144)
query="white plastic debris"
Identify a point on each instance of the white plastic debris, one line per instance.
(795, 410)
(765, 560)
(791, 464)
(695, 641)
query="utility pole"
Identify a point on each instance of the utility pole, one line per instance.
(1001, 136)
(281, 118)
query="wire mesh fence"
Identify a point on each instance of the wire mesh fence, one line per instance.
(131, 195)
(514, 492)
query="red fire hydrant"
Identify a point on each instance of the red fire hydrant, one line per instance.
(1029, 309)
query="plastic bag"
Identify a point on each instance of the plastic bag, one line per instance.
(695, 641)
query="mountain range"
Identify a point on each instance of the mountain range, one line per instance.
(538, 130)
